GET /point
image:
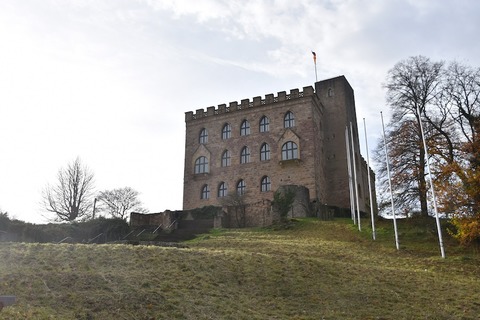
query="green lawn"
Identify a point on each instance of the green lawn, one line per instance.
(313, 270)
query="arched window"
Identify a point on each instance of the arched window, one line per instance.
(245, 128)
(265, 152)
(205, 192)
(289, 120)
(222, 190)
(201, 165)
(226, 158)
(264, 124)
(245, 155)
(241, 187)
(203, 138)
(226, 131)
(289, 151)
(265, 184)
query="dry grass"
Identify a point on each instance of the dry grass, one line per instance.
(316, 270)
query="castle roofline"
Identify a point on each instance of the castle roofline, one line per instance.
(247, 103)
(258, 101)
(334, 79)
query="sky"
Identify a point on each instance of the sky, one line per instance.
(109, 81)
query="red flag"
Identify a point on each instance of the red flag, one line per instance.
(314, 57)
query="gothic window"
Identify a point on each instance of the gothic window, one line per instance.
(264, 124)
(226, 131)
(289, 120)
(265, 152)
(205, 192)
(245, 155)
(226, 158)
(222, 190)
(265, 184)
(203, 136)
(289, 151)
(241, 187)
(201, 165)
(245, 128)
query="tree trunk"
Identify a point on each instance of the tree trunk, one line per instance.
(422, 182)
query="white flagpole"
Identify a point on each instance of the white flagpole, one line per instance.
(439, 229)
(350, 187)
(369, 182)
(390, 184)
(355, 177)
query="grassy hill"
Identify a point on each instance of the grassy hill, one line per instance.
(312, 270)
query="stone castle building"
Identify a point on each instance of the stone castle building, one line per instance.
(255, 147)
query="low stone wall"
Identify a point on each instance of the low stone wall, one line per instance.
(301, 204)
(258, 214)
(165, 219)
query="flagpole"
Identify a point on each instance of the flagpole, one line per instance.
(434, 200)
(315, 63)
(355, 177)
(369, 182)
(390, 184)
(350, 187)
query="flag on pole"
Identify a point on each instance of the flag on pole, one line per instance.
(314, 57)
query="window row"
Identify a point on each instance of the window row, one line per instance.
(289, 152)
(264, 126)
(241, 188)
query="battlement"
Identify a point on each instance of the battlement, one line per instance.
(246, 103)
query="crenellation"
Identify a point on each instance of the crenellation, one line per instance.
(244, 104)
(200, 113)
(294, 93)
(210, 111)
(257, 101)
(222, 108)
(308, 91)
(269, 98)
(247, 103)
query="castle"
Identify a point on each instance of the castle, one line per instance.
(256, 147)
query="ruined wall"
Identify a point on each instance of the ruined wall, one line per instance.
(164, 219)
(259, 214)
(301, 206)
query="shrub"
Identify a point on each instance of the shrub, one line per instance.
(467, 230)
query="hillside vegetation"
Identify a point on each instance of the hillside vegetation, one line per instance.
(311, 270)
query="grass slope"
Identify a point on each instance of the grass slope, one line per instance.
(315, 270)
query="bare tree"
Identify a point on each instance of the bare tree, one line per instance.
(71, 198)
(446, 99)
(412, 86)
(402, 140)
(119, 202)
(459, 164)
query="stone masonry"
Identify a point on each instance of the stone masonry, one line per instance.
(309, 151)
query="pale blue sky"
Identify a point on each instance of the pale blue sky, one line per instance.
(110, 80)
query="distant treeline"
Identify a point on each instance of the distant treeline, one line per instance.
(98, 230)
